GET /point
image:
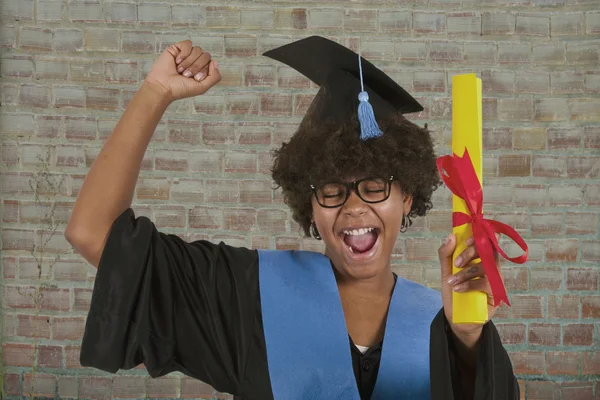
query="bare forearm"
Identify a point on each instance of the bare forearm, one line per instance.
(109, 186)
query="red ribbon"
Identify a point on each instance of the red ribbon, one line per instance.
(459, 176)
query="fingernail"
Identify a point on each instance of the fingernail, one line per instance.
(199, 76)
(180, 69)
(187, 73)
(458, 288)
(179, 60)
(216, 63)
(458, 261)
(452, 280)
(470, 241)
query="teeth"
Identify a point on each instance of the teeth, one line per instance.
(357, 232)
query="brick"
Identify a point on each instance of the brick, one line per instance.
(529, 138)
(67, 387)
(193, 388)
(240, 162)
(549, 54)
(294, 18)
(95, 387)
(42, 385)
(498, 23)
(421, 249)
(11, 384)
(239, 219)
(515, 109)
(564, 195)
(154, 13)
(546, 224)
(464, 23)
(276, 104)
(171, 160)
(590, 306)
(546, 278)
(498, 82)
(511, 333)
(255, 192)
(36, 39)
(68, 40)
(17, 239)
(433, 23)
(563, 307)
(116, 12)
(590, 251)
(51, 69)
(50, 11)
(592, 23)
(578, 335)
(582, 167)
(121, 72)
(240, 45)
(138, 41)
(81, 128)
(564, 138)
(528, 362)
(566, 24)
(533, 25)
(590, 363)
(549, 166)
(562, 362)
(514, 53)
(544, 334)
(129, 386)
(514, 165)
(272, 221)
(17, 66)
(82, 299)
(50, 356)
(325, 18)
(222, 17)
(8, 36)
(33, 326)
(17, 354)
(563, 250)
(17, 11)
(592, 82)
(577, 391)
(192, 15)
(567, 82)
(69, 97)
(72, 357)
(217, 133)
(184, 131)
(68, 328)
(260, 75)
(591, 137)
(97, 39)
(592, 194)
(209, 104)
(407, 50)
(515, 278)
(395, 21)
(360, 20)
(533, 82)
(582, 279)
(102, 99)
(543, 390)
(445, 52)
(581, 223)
(87, 71)
(585, 109)
(583, 53)
(480, 52)
(85, 11)
(377, 49)
(205, 218)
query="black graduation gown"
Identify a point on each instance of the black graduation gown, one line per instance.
(195, 308)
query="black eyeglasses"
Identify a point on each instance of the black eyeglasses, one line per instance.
(370, 190)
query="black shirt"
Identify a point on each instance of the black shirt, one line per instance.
(195, 308)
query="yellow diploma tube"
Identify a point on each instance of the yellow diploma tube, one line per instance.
(467, 308)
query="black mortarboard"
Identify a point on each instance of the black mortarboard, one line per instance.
(337, 70)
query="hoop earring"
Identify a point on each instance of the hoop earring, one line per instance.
(406, 222)
(314, 231)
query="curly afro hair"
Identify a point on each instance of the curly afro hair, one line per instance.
(321, 152)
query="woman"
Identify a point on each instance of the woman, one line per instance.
(288, 325)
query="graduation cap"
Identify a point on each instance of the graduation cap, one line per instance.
(348, 82)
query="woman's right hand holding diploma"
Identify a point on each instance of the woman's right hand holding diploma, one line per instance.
(183, 70)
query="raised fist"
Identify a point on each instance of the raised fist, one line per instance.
(183, 70)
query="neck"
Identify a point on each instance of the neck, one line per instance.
(374, 286)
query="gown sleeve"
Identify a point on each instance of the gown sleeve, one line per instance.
(451, 379)
(171, 305)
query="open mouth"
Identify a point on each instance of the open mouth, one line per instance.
(361, 240)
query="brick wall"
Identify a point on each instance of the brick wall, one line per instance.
(68, 69)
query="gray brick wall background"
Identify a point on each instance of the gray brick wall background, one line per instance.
(68, 69)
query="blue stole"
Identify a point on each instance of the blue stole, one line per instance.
(308, 350)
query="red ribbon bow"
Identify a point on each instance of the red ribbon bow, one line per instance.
(459, 176)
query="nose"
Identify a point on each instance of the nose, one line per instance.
(354, 206)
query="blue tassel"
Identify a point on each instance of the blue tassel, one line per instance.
(368, 125)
